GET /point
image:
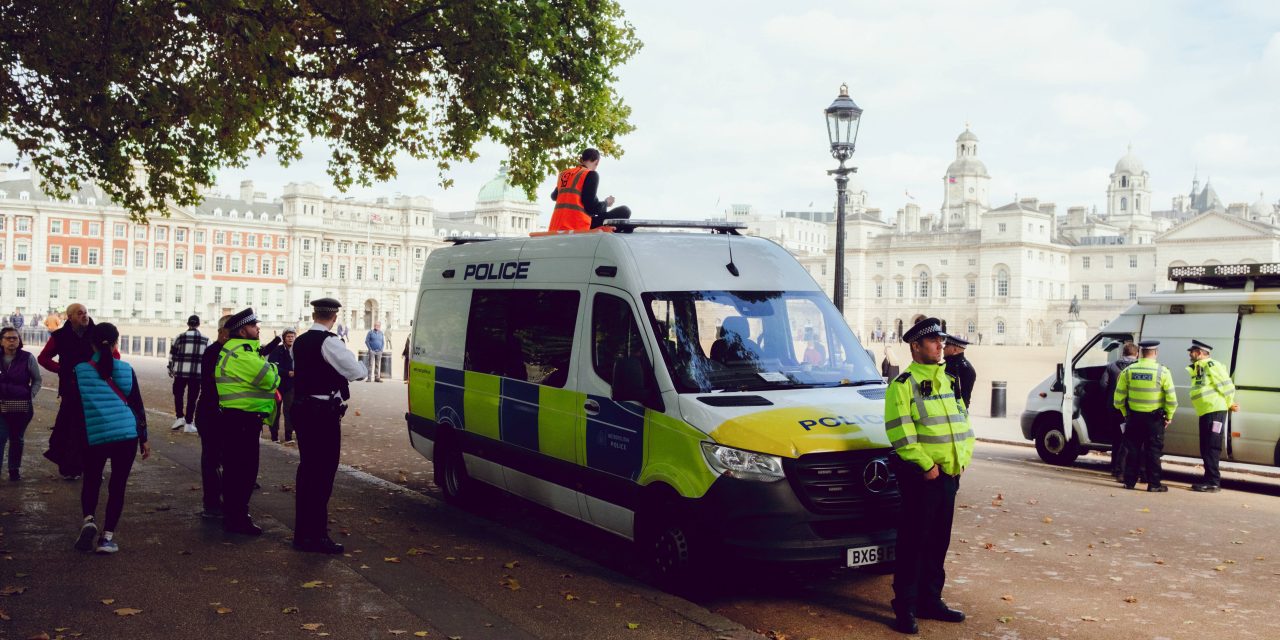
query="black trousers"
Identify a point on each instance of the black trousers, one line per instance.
(1119, 449)
(211, 429)
(190, 388)
(1144, 434)
(239, 435)
(924, 534)
(616, 212)
(285, 413)
(121, 454)
(1211, 444)
(319, 432)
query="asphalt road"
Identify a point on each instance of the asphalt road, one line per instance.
(1037, 552)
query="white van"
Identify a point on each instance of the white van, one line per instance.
(1234, 308)
(694, 390)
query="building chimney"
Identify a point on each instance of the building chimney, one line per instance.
(1076, 216)
(4, 170)
(1050, 209)
(246, 190)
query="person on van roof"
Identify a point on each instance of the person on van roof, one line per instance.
(577, 206)
(928, 426)
(1213, 394)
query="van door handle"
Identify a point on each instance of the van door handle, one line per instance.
(592, 407)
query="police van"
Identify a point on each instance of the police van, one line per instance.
(1233, 308)
(693, 390)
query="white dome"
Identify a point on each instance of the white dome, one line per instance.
(967, 136)
(1130, 164)
(1261, 207)
(968, 166)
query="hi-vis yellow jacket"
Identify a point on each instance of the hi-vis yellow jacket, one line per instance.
(1145, 387)
(925, 421)
(246, 381)
(1211, 388)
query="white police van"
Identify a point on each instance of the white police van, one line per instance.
(1234, 308)
(693, 390)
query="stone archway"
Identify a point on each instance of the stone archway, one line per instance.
(370, 314)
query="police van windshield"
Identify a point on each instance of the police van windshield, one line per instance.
(756, 340)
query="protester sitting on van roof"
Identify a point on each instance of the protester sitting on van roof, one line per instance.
(577, 207)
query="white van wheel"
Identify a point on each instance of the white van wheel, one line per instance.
(451, 473)
(1053, 445)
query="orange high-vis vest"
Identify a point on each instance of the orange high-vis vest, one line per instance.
(569, 214)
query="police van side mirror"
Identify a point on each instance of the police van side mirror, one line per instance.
(634, 382)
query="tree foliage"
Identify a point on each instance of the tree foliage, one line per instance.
(98, 89)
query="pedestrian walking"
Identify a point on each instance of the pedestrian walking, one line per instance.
(246, 385)
(324, 367)
(959, 367)
(889, 366)
(408, 346)
(578, 207)
(19, 384)
(53, 321)
(282, 357)
(374, 343)
(184, 368)
(1110, 376)
(1144, 394)
(1213, 395)
(17, 321)
(209, 425)
(106, 393)
(933, 443)
(342, 332)
(66, 348)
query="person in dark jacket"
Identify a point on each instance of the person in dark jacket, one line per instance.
(207, 425)
(19, 384)
(282, 357)
(960, 367)
(107, 395)
(1119, 450)
(889, 366)
(70, 346)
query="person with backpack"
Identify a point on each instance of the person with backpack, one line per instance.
(107, 394)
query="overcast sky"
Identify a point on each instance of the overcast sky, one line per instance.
(727, 100)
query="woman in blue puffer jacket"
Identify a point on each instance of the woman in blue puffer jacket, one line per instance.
(116, 426)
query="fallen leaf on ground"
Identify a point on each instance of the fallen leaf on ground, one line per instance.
(222, 611)
(1007, 597)
(108, 601)
(1131, 599)
(127, 611)
(4, 615)
(510, 583)
(1005, 619)
(39, 636)
(1048, 520)
(633, 625)
(313, 584)
(1144, 510)
(1088, 618)
(289, 610)
(392, 560)
(12, 591)
(414, 551)
(515, 563)
(397, 632)
(570, 596)
(312, 626)
(1221, 567)
(420, 634)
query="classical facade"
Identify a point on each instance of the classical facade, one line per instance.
(1008, 274)
(232, 252)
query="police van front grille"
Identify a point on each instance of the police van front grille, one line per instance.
(843, 481)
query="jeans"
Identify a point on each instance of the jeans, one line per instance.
(12, 428)
(375, 365)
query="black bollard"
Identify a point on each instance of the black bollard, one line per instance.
(998, 389)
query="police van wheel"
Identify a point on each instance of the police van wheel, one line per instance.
(666, 544)
(451, 474)
(1054, 447)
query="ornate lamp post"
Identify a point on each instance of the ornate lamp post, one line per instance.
(843, 117)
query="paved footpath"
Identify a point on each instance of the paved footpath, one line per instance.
(414, 567)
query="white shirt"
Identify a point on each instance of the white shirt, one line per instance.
(335, 353)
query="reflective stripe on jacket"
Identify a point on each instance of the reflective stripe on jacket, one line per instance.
(1145, 386)
(245, 380)
(928, 429)
(570, 214)
(1211, 388)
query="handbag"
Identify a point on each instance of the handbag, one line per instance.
(16, 406)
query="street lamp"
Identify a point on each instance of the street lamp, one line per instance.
(843, 117)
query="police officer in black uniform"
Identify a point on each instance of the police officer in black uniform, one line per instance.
(959, 367)
(324, 367)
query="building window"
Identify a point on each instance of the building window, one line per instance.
(1111, 262)
(898, 288)
(117, 257)
(1000, 327)
(306, 244)
(1002, 283)
(55, 226)
(942, 288)
(137, 292)
(219, 263)
(280, 267)
(24, 225)
(1085, 262)
(1001, 227)
(234, 295)
(342, 272)
(92, 256)
(1084, 292)
(55, 254)
(159, 293)
(54, 289)
(197, 262)
(73, 255)
(324, 271)
(922, 285)
(326, 246)
(219, 237)
(160, 260)
(1133, 292)
(180, 235)
(266, 265)
(117, 291)
(199, 295)
(283, 244)
(217, 295)
(139, 259)
(251, 240)
(235, 239)
(971, 287)
(1124, 204)
(251, 264)
(879, 289)
(177, 293)
(972, 328)
(20, 252)
(235, 264)
(1133, 262)
(162, 233)
(359, 272)
(180, 260)
(1106, 292)
(306, 269)
(139, 232)
(199, 236)
(266, 242)
(120, 230)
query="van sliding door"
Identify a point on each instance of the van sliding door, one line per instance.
(1257, 389)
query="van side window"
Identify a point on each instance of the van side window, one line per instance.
(523, 335)
(614, 335)
(440, 333)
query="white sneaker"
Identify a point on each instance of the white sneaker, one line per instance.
(189, 427)
(178, 424)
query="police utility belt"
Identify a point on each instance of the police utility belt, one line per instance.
(335, 401)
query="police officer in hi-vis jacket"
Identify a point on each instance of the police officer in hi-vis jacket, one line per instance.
(1145, 396)
(928, 426)
(1213, 394)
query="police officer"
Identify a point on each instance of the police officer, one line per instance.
(324, 367)
(929, 429)
(1212, 394)
(960, 368)
(246, 385)
(1144, 395)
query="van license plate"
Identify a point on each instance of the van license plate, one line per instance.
(863, 556)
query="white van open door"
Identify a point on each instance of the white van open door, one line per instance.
(1068, 407)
